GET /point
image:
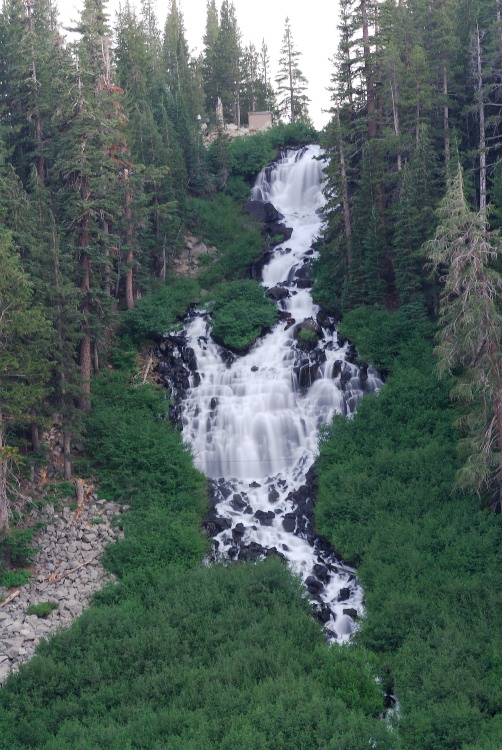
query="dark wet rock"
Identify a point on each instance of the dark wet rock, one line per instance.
(273, 495)
(265, 517)
(277, 233)
(255, 485)
(337, 367)
(304, 283)
(289, 522)
(345, 377)
(254, 368)
(227, 357)
(350, 612)
(238, 532)
(323, 612)
(262, 212)
(252, 551)
(321, 572)
(215, 524)
(213, 404)
(278, 293)
(344, 595)
(238, 503)
(313, 585)
(225, 491)
(326, 321)
(351, 354)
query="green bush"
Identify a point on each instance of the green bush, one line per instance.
(13, 578)
(17, 544)
(241, 312)
(42, 610)
(250, 155)
(156, 314)
(223, 224)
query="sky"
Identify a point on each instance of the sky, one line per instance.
(313, 26)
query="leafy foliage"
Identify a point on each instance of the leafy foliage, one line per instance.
(223, 224)
(240, 313)
(156, 314)
(425, 554)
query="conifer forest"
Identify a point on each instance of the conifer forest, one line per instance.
(127, 165)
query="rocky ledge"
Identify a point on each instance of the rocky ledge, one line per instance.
(67, 571)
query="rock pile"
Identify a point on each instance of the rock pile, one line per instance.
(67, 572)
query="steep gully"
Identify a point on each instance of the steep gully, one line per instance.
(253, 421)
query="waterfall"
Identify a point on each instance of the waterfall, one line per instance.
(252, 422)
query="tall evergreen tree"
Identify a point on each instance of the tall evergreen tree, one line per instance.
(209, 56)
(228, 63)
(24, 358)
(470, 333)
(291, 83)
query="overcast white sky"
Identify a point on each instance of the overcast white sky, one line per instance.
(313, 25)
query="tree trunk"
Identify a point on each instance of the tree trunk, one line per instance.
(370, 90)
(85, 285)
(395, 117)
(446, 119)
(345, 191)
(482, 132)
(67, 456)
(35, 435)
(38, 117)
(129, 239)
(4, 502)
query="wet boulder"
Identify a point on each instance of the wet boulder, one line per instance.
(265, 517)
(262, 212)
(289, 522)
(344, 595)
(314, 586)
(277, 293)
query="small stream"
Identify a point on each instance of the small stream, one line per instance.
(253, 421)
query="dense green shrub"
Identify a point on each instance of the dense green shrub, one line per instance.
(241, 312)
(211, 658)
(139, 458)
(156, 313)
(223, 224)
(17, 544)
(250, 155)
(13, 578)
(429, 559)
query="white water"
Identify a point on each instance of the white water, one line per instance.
(251, 423)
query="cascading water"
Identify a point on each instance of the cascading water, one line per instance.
(253, 422)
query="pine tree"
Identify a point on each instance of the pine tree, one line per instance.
(24, 358)
(291, 83)
(414, 223)
(470, 333)
(90, 149)
(228, 63)
(209, 72)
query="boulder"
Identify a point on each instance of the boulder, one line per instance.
(263, 212)
(265, 517)
(278, 293)
(344, 594)
(313, 585)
